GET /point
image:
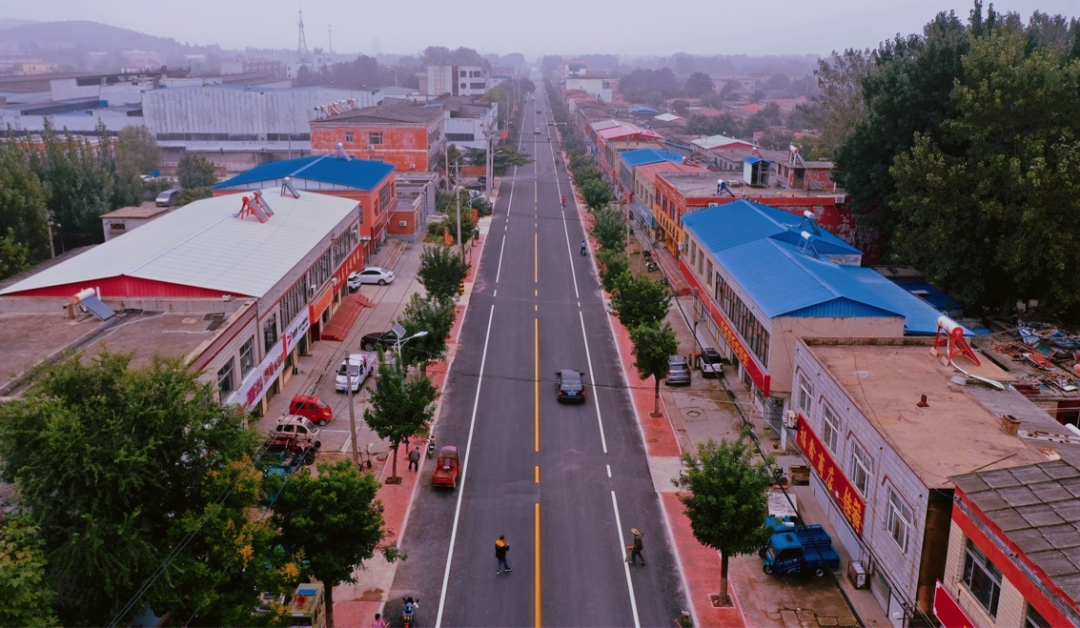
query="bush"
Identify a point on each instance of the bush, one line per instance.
(609, 229)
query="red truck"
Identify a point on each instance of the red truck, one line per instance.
(446, 467)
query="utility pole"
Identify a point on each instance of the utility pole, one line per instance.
(457, 195)
(352, 412)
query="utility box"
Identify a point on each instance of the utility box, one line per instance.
(857, 575)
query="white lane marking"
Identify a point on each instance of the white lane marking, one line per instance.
(495, 293)
(570, 254)
(498, 268)
(510, 201)
(608, 470)
(626, 565)
(465, 473)
(596, 400)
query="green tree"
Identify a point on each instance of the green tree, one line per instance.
(698, 84)
(640, 301)
(596, 193)
(334, 521)
(614, 266)
(726, 500)
(24, 200)
(840, 107)
(136, 153)
(106, 457)
(990, 210)
(653, 345)
(25, 594)
(190, 195)
(13, 256)
(195, 171)
(506, 155)
(609, 229)
(441, 271)
(432, 314)
(400, 407)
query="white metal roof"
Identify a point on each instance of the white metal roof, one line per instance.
(717, 141)
(205, 245)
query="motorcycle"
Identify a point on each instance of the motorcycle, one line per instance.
(408, 611)
(430, 447)
(651, 266)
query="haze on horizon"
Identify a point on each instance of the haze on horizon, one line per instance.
(634, 28)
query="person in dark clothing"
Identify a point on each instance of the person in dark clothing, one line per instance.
(414, 459)
(501, 548)
(635, 552)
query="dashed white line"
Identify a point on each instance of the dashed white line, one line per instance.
(596, 400)
(608, 470)
(626, 565)
(570, 254)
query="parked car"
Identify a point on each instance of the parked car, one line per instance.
(371, 274)
(371, 342)
(168, 198)
(312, 408)
(474, 185)
(300, 428)
(797, 548)
(678, 371)
(571, 387)
(711, 363)
(354, 370)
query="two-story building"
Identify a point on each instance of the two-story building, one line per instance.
(885, 428)
(643, 193)
(453, 80)
(410, 136)
(370, 183)
(765, 277)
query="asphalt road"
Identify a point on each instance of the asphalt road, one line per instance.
(564, 483)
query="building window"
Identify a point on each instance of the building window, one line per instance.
(899, 520)
(806, 395)
(860, 468)
(478, 85)
(225, 378)
(270, 332)
(348, 137)
(830, 433)
(247, 357)
(982, 579)
(708, 272)
(1032, 619)
(464, 73)
(375, 139)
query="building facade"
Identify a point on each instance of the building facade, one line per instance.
(410, 136)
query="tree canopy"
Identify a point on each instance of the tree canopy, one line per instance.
(195, 171)
(441, 271)
(653, 345)
(640, 301)
(400, 407)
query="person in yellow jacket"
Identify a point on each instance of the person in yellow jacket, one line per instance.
(501, 548)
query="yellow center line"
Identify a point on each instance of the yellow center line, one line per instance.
(536, 474)
(536, 258)
(536, 384)
(537, 613)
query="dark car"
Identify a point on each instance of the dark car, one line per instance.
(571, 387)
(711, 363)
(475, 185)
(370, 342)
(678, 371)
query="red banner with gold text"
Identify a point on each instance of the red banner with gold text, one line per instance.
(846, 496)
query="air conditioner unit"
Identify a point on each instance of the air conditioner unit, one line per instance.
(839, 200)
(371, 147)
(403, 223)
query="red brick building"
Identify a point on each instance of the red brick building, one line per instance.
(410, 136)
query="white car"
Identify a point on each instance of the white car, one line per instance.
(371, 274)
(358, 366)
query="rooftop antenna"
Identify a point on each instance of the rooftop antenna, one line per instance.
(301, 46)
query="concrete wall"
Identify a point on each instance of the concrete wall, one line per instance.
(785, 330)
(887, 468)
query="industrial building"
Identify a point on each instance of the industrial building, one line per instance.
(239, 285)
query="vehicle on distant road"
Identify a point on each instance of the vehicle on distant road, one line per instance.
(312, 408)
(678, 371)
(711, 363)
(384, 340)
(371, 274)
(571, 387)
(354, 370)
(536, 131)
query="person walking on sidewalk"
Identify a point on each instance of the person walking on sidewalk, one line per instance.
(635, 549)
(414, 459)
(501, 548)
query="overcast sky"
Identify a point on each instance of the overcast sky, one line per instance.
(532, 27)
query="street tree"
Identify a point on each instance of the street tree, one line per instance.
(136, 153)
(614, 266)
(596, 193)
(698, 84)
(14, 257)
(609, 229)
(400, 406)
(195, 171)
(726, 499)
(640, 301)
(432, 314)
(652, 347)
(333, 520)
(441, 271)
(106, 457)
(26, 594)
(24, 199)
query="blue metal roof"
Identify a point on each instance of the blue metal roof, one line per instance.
(642, 156)
(753, 159)
(760, 248)
(640, 109)
(355, 173)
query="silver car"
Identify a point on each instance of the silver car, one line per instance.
(678, 371)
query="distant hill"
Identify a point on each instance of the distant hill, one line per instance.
(8, 22)
(90, 36)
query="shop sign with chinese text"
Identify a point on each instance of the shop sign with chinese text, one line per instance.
(843, 492)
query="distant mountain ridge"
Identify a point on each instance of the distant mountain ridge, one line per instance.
(10, 22)
(90, 36)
